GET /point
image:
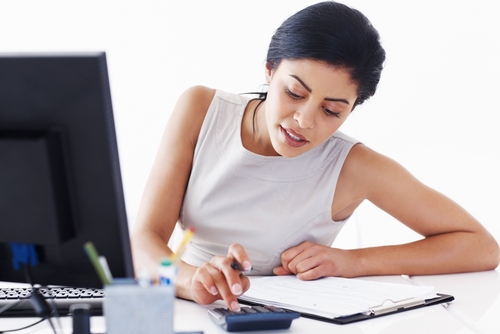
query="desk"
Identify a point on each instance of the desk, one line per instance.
(477, 298)
(476, 310)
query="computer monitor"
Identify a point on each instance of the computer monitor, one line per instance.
(60, 181)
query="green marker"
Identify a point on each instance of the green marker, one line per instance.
(94, 258)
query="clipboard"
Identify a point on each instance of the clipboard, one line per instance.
(340, 300)
(375, 312)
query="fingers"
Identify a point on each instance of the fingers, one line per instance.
(203, 285)
(292, 257)
(281, 271)
(231, 283)
(308, 261)
(237, 252)
(219, 280)
(311, 274)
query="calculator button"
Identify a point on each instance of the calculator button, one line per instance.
(261, 309)
(248, 310)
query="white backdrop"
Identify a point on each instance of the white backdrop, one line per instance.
(435, 112)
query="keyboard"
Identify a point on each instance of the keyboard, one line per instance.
(60, 298)
(253, 318)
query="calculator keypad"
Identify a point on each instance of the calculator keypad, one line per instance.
(253, 318)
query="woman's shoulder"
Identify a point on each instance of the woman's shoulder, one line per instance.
(199, 96)
(190, 110)
(362, 159)
(197, 99)
(193, 103)
(368, 169)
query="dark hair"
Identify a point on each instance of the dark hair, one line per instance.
(336, 34)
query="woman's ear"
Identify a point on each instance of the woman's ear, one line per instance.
(269, 72)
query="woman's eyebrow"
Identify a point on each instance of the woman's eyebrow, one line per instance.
(333, 99)
(301, 82)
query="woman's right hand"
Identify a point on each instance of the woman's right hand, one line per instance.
(218, 280)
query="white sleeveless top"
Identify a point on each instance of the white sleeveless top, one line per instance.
(265, 203)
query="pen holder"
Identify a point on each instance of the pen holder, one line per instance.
(131, 308)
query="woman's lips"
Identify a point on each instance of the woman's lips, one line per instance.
(292, 138)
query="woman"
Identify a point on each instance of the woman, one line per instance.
(269, 182)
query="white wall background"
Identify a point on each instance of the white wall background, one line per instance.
(436, 110)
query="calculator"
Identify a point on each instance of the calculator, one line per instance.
(253, 318)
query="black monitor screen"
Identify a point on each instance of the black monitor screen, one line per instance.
(60, 182)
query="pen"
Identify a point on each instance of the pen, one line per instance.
(237, 266)
(187, 236)
(94, 258)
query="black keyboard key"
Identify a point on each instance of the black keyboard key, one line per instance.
(60, 298)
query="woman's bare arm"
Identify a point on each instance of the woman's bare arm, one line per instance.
(161, 205)
(454, 241)
(165, 187)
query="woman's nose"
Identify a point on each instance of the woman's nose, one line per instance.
(304, 116)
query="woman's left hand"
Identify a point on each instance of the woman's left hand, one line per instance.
(311, 261)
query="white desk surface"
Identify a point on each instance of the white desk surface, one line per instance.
(475, 310)
(477, 297)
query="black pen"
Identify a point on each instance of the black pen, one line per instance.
(236, 266)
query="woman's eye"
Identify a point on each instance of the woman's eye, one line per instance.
(331, 113)
(292, 94)
(298, 97)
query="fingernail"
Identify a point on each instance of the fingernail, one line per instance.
(213, 290)
(247, 265)
(237, 289)
(235, 306)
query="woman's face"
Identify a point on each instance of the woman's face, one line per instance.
(307, 102)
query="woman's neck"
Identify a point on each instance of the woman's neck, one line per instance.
(254, 132)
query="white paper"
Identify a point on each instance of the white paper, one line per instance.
(330, 297)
